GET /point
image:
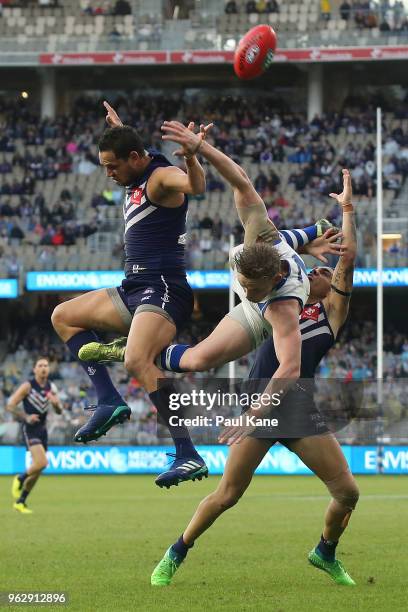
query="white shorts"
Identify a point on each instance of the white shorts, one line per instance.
(252, 321)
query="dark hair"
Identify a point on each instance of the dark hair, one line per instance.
(260, 260)
(122, 141)
(40, 358)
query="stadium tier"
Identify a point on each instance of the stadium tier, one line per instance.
(85, 26)
(58, 211)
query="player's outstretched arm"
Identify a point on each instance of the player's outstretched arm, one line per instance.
(250, 206)
(337, 303)
(15, 399)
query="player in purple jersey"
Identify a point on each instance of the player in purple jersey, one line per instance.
(155, 299)
(320, 322)
(37, 395)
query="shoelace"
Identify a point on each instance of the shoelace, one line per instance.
(174, 455)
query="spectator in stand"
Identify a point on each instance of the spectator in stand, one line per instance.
(250, 7)
(122, 7)
(261, 6)
(385, 27)
(217, 229)
(206, 223)
(13, 266)
(231, 7)
(272, 6)
(345, 10)
(325, 9)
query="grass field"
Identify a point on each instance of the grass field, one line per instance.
(99, 537)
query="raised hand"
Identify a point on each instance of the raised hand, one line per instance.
(112, 117)
(325, 245)
(344, 198)
(185, 136)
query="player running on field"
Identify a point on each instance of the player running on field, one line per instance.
(37, 395)
(155, 299)
(320, 322)
(270, 279)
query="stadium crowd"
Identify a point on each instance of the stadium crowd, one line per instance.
(294, 165)
(380, 14)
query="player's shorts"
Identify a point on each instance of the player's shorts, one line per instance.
(253, 322)
(169, 296)
(297, 416)
(35, 434)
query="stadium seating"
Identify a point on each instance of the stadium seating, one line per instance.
(71, 26)
(96, 224)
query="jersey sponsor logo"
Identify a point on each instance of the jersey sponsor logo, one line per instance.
(148, 290)
(136, 269)
(310, 312)
(134, 198)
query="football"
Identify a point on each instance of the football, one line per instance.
(255, 52)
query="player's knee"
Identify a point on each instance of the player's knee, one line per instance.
(229, 497)
(44, 465)
(59, 317)
(137, 363)
(350, 495)
(344, 490)
(40, 465)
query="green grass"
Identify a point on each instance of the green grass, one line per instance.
(99, 537)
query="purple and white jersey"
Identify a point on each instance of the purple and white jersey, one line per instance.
(155, 236)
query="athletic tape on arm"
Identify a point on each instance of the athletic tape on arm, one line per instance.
(257, 224)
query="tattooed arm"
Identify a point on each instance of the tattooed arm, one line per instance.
(338, 300)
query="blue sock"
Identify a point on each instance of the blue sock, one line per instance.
(98, 374)
(170, 357)
(299, 237)
(180, 549)
(326, 549)
(179, 433)
(23, 497)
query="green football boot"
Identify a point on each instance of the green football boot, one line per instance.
(323, 225)
(165, 569)
(335, 569)
(103, 353)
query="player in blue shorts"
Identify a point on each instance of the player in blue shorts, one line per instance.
(155, 299)
(37, 395)
(270, 298)
(320, 321)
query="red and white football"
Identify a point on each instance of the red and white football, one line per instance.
(255, 52)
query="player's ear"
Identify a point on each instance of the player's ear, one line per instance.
(134, 157)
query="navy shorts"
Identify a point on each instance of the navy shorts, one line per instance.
(169, 296)
(35, 434)
(298, 416)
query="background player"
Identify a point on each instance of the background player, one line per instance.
(36, 394)
(320, 323)
(155, 298)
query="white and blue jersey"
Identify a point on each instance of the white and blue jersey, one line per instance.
(155, 267)
(295, 285)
